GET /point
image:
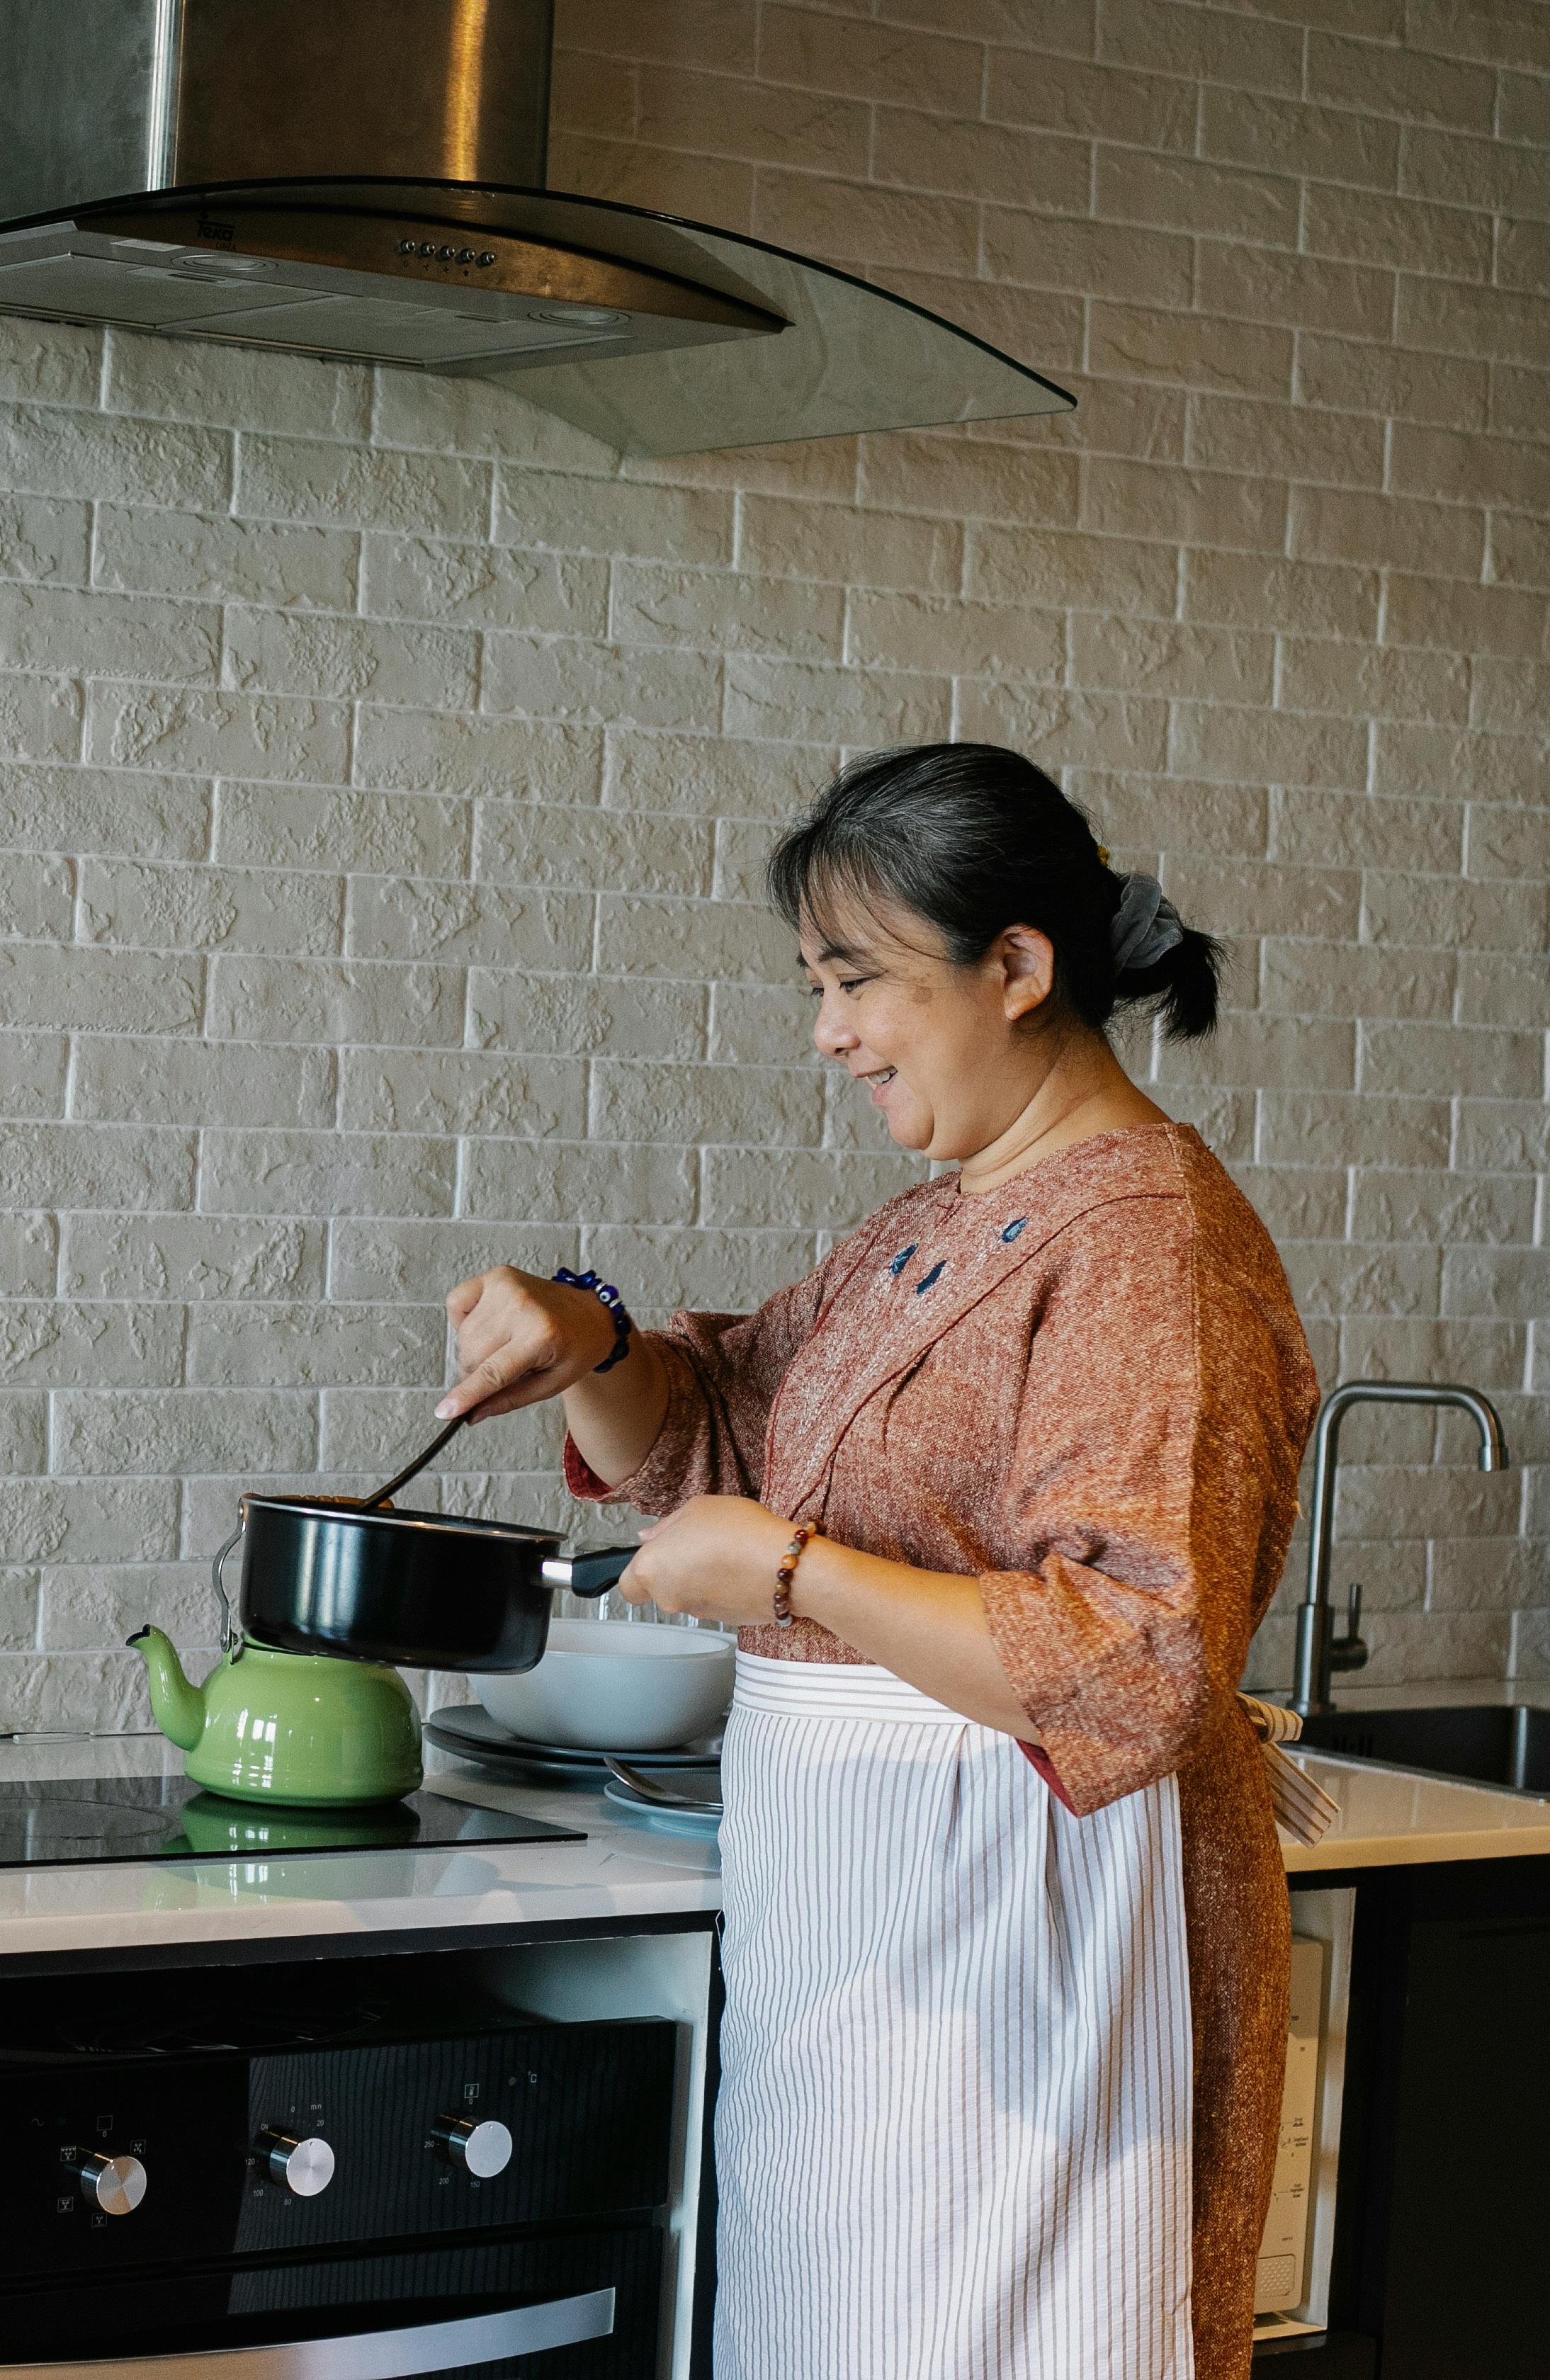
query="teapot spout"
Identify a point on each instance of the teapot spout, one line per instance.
(176, 1706)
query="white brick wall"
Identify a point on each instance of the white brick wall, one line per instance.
(384, 774)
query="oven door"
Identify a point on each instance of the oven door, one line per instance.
(585, 2307)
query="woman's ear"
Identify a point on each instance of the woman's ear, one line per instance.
(1026, 959)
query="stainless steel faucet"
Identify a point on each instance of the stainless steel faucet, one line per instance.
(1319, 1650)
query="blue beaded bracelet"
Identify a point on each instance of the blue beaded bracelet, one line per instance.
(609, 1295)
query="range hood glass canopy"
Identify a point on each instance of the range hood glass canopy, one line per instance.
(657, 336)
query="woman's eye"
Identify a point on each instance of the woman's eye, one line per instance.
(856, 983)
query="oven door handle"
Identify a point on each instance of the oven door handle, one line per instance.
(366, 2355)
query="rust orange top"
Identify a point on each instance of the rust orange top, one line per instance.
(1090, 1388)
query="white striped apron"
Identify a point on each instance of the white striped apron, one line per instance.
(952, 2133)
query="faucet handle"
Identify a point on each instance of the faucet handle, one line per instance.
(1348, 1652)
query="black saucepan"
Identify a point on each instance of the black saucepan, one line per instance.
(419, 1590)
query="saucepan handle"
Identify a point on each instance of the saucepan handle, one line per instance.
(589, 1575)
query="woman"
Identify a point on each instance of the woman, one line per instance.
(1006, 1927)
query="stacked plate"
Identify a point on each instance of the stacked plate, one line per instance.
(465, 1728)
(679, 1800)
(692, 1771)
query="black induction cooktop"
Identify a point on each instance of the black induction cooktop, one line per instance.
(168, 1818)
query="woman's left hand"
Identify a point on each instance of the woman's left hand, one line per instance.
(715, 1556)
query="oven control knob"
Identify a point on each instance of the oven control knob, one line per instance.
(306, 2168)
(113, 2185)
(482, 2150)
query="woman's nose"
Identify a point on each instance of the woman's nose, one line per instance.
(831, 1033)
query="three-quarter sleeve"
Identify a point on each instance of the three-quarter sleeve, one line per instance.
(1151, 1463)
(723, 1372)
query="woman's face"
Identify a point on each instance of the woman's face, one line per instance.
(946, 1052)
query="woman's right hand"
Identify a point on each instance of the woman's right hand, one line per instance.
(521, 1338)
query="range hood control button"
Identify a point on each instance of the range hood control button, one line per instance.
(305, 2167)
(465, 256)
(488, 256)
(482, 2150)
(113, 2185)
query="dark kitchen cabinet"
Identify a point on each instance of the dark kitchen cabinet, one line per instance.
(1444, 2191)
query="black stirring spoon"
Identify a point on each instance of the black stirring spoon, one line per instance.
(412, 1470)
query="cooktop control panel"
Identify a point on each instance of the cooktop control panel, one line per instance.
(215, 2152)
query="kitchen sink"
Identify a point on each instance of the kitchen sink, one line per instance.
(1490, 1744)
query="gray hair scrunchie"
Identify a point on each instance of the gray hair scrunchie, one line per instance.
(1146, 925)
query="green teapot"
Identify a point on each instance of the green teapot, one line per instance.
(300, 1728)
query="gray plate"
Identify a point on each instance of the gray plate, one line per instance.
(468, 1730)
(704, 1822)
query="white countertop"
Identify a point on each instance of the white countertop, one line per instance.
(1389, 1818)
(626, 1869)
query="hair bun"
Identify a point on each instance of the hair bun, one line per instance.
(1146, 925)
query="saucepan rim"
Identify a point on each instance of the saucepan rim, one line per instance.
(334, 1508)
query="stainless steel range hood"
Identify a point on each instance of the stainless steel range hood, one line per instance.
(364, 179)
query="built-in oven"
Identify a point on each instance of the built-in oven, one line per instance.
(305, 2186)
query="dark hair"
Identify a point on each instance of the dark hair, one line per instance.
(973, 839)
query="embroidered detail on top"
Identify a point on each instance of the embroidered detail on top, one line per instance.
(1013, 1228)
(902, 1258)
(933, 1275)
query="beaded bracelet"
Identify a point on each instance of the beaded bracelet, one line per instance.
(610, 1297)
(785, 1570)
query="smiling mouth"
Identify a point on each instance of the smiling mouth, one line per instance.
(879, 1080)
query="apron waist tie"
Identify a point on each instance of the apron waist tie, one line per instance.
(863, 1690)
(835, 1690)
(1300, 1804)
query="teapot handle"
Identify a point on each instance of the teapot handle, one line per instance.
(228, 1629)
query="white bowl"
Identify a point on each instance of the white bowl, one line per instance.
(616, 1686)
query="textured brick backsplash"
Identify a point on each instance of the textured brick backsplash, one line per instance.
(384, 773)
